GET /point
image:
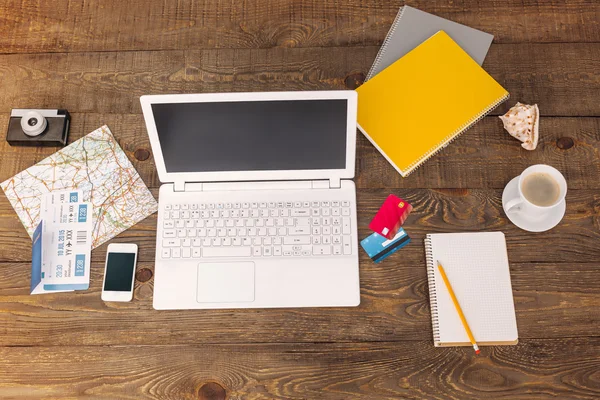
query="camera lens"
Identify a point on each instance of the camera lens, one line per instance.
(33, 123)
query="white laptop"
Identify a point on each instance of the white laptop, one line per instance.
(257, 206)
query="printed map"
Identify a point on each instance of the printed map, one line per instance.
(96, 165)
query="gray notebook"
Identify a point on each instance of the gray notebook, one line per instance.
(412, 27)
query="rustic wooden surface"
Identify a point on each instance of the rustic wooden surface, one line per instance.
(96, 58)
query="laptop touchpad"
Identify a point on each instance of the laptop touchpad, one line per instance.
(225, 282)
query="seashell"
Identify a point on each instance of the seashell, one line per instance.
(522, 122)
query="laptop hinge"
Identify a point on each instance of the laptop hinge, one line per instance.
(334, 183)
(179, 186)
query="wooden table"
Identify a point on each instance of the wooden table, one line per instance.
(95, 58)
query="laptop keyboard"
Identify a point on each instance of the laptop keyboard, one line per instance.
(266, 229)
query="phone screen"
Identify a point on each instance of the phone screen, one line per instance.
(119, 272)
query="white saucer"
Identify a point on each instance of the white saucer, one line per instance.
(524, 222)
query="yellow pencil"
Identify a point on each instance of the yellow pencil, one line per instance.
(458, 309)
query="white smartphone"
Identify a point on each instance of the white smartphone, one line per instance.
(119, 272)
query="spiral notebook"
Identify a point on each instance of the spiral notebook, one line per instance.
(423, 101)
(412, 26)
(477, 267)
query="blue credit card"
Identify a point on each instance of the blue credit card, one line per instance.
(379, 247)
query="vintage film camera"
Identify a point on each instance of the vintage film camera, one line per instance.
(38, 127)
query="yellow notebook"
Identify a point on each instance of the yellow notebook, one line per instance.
(423, 101)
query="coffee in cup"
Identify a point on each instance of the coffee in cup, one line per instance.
(540, 189)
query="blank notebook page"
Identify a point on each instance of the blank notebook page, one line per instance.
(477, 267)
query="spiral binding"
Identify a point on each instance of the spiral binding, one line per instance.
(450, 138)
(435, 322)
(385, 42)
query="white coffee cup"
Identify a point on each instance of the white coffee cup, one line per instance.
(520, 203)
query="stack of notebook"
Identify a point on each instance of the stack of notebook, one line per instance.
(425, 88)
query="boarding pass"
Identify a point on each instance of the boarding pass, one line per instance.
(62, 241)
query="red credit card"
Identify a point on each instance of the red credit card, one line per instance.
(390, 216)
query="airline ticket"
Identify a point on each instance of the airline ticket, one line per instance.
(62, 244)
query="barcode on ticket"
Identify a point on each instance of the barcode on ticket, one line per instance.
(81, 237)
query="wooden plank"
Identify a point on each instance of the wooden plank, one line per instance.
(484, 157)
(110, 82)
(394, 307)
(541, 369)
(443, 210)
(100, 56)
(30, 27)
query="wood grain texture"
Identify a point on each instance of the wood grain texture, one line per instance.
(540, 369)
(50, 26)
(551, 300)
(96, 58)
(483, 157)
(112, 82)
(486, 156)
(442, 210)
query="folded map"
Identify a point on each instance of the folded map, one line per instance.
(97, 166)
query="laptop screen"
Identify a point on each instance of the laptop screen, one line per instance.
(252, 135)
